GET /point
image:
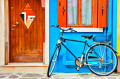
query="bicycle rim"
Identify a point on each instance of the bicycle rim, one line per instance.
(104, 62)
(53, 61)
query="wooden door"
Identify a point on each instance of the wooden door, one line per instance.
(26, 40)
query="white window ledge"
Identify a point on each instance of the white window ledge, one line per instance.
(87, 29)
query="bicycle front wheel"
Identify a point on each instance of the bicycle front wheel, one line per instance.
(101, 59)
(53, 61)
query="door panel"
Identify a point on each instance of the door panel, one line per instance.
(26, 44)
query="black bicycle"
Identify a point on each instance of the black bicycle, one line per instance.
(100, 58)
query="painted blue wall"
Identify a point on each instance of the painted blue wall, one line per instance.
(65, 62)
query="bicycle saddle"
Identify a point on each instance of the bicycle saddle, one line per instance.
(87, 36)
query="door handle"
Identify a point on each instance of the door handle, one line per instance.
(17, 23)
(12, 28)
(14, 25)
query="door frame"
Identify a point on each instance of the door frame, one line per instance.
(4, 55)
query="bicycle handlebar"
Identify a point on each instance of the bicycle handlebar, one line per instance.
(68, 29)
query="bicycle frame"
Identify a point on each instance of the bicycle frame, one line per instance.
(83, 54)
(62, 40)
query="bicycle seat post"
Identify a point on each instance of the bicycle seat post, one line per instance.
(86, 39)
(62, 32)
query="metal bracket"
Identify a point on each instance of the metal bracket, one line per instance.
(59, 3)
(102, 10)
(63, 10)
(107, 3)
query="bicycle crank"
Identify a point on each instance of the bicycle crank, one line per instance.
(78, 63)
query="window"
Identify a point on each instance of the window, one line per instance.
(83, 13)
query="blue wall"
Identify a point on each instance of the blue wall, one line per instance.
(65, 63)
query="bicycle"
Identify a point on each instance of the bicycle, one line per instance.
(100, 63)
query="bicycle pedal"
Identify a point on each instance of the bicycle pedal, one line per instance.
(77, 68)
(78, 63)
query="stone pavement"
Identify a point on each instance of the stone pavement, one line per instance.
(56, 76)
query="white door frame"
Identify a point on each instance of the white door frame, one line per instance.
(4, 34)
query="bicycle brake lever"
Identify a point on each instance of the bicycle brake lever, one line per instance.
(53, 26)
(73, 30)
(57, 26)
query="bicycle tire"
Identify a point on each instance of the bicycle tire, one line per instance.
(55, 54)
(108, 60)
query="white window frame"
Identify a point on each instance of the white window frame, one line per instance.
(24, 13)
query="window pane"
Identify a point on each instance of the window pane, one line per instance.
(86, 12)
(72, 12)
(27, 15)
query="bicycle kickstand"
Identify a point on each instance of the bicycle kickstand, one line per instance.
(77, 68)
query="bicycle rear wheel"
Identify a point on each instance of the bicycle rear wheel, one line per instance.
(53, 61)
(101, 59)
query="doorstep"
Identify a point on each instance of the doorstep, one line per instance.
(25, 69)
(25, 64)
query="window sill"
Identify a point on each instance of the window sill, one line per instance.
(87, 29)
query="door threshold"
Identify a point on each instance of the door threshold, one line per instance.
(26, 64)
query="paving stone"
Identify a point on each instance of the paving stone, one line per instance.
(68, 78)
(33, 75)
(111, 77)
(2, 76)
(13, 76)
(86, 77)
(19, 74)
(28, 78)
(46, 78)
(115, 74)
(5, 74)
(98, 77)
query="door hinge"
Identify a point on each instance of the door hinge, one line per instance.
(102, 10)
(107, 3)
(59, 3)
(63, 10)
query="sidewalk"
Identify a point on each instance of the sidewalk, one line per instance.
(56, 76)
